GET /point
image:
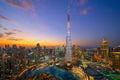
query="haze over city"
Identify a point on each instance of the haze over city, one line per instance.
(28, 22)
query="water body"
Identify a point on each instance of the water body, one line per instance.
(53, 71)
(57, 72)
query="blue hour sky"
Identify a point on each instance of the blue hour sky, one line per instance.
(27, 22)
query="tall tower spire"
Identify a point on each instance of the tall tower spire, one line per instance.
(68, 14)
(68, 56)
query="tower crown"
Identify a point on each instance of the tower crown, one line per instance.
(68, 13)
(104, 41)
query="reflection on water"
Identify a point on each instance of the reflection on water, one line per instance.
(53, 71)
(57, 72)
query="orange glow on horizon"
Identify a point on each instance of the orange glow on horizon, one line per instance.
(27, 43)
(30, 43)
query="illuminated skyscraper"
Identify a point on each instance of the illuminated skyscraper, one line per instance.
(105, 50)
(68, 56)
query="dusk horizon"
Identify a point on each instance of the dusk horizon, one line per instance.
(28, 22)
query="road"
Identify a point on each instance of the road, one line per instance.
(26, 69)
(80, 73)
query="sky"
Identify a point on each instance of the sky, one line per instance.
(28, 22)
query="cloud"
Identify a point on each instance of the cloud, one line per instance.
(1, 35)
(14, 39)
(9, 33)
(16, 15)
(2, 27)
(5, 19)
(16, 30)
(84, 11)
(3, 9)
(82, 2)
(21, 4)
(24, 5)
(83, 8)
(5, 29)
(78, 2)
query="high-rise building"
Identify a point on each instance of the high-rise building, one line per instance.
(116, 58)
(104, 50)
(37, 52)
(14, 46)
(68, 56)
(0, 62)
(76, 53)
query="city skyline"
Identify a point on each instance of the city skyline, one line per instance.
(30, 22)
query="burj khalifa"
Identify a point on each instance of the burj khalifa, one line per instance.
(68, 55)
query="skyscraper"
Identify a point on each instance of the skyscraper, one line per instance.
(68, 55)
(104, 50)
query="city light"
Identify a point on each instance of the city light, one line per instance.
(59, 40)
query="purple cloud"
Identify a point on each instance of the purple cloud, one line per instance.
(84, 11)
(21, 4)
(16, 15)
(82, 2)
(14, 39)
(2, 27)
(78, 2)
(1, 35)
(5, 19)
(5, 29)
(3, 9)
(16, 30)
(9, 33)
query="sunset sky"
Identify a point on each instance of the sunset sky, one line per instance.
(28, 22)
